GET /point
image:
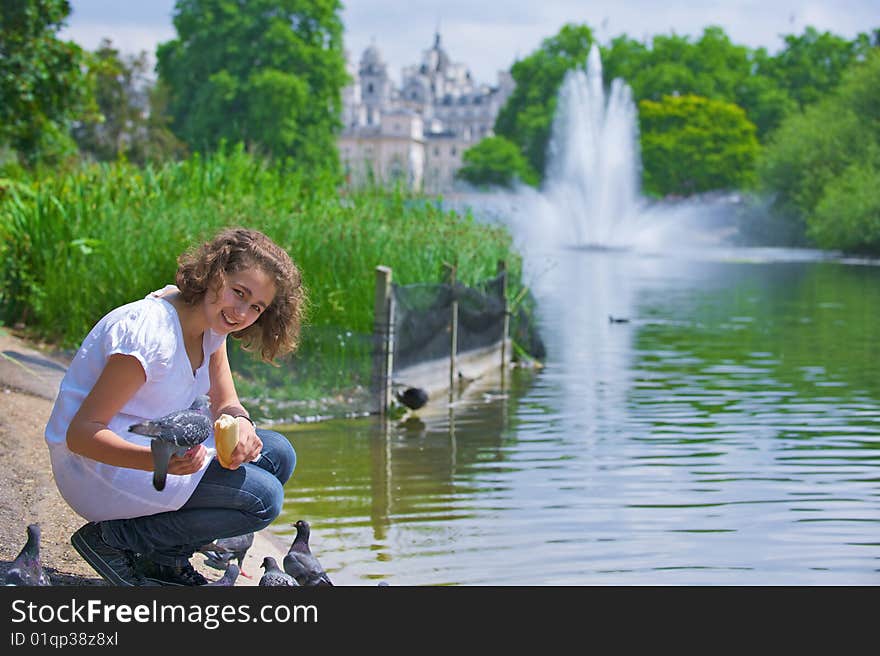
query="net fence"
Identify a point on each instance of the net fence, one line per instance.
(423, 319)
(333, 373)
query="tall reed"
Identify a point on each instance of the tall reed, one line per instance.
(75, 245)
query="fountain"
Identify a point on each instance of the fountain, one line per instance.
(592, 182)
(591, 197)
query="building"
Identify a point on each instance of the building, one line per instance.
(415, 134)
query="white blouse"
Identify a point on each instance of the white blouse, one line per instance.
(149, 330)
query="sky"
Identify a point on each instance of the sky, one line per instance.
(490, 35)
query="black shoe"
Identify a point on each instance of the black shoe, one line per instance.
(115, 566)
(178, 575)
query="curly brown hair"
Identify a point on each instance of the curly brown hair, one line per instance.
(204, 267)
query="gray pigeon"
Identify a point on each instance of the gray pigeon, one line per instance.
(275, 575)
(26, 568)
(220, 552)
(175, 434)
(300, 563)
(228, 578)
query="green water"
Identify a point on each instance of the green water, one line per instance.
(726, 434)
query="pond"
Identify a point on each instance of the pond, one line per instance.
(726, 433)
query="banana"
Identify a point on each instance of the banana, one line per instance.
(225, 438)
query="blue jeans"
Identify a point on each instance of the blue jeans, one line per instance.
(224, 504)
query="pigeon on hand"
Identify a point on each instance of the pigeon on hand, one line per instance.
(26, 568)
(274, 575)
(175, 434)
(300, 563)
(220, 552)
(228, 578)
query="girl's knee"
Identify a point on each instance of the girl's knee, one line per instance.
(279, 453)
(274, 502)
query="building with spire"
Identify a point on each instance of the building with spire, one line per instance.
(415, 134)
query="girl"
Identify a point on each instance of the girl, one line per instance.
(151, 357)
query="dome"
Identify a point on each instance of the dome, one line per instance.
(371, 56)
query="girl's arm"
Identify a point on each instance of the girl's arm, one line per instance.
(224, 399)
(89, 436)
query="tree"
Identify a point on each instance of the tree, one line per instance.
(268, 73)
(496, 161)
(43, 86)
(812, 64)
(623, 58)
(692, 144)
(822, 166)
(715, 68)
(847, 215)
(765, 102)
(527, 117)
(130, 123)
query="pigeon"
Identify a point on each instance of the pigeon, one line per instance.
(413, 397)
(26, 568)
(220, 552)
(175, 434)
(228, 578)
(275, 575)
(299, 561)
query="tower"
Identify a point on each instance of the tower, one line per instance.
(375, 84)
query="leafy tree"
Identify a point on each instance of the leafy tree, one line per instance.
(765, 102)
(712, 67)
(768, 88)
(268, 73)
(527, 117)
(715, 68)
(496, 161)
(43, 86)
(812, 64)
(847, 215)
(131, 123)
(159, 143)
(821, 166)
(623, 58)
(692, 144)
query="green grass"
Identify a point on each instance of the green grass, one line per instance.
(74, 245)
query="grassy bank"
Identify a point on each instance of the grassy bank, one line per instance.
(74, 245)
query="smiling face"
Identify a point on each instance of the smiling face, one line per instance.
(243, 296)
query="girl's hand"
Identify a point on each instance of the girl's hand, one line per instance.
(249, 444)
(190, 462)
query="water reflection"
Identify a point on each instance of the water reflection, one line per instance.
(727, 434)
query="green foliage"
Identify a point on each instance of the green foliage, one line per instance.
(821, 167)
(527, 117)
(712, 67)
(812, 64)
(73, 246)
(42, 84)
(623, 58)
(767, 88)
(267, 73)
(848, 214)
(496, 161)
(692, 144)
(131, 123)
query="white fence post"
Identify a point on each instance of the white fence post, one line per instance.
(383, 337)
